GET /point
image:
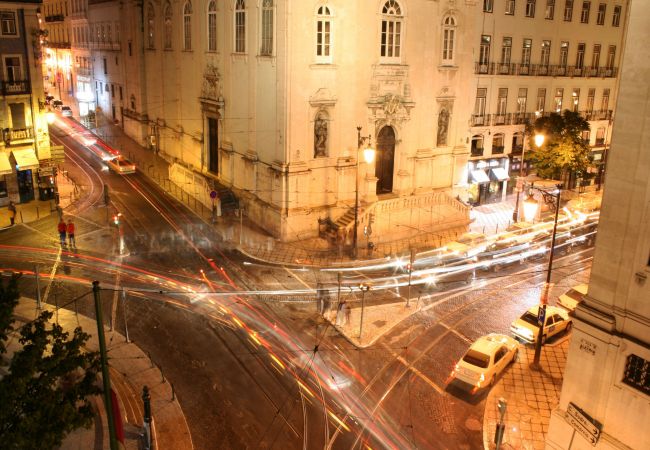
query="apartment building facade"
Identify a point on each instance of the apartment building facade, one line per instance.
(25, 144)
(605, 399)
(533, 58)
(58, 63)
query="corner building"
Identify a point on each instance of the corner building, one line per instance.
(607, 375)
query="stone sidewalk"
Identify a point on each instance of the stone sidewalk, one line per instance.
(130, 370)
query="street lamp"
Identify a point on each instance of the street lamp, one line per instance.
(541, 314)
(363, 288)
(539, 141)
(369, 157)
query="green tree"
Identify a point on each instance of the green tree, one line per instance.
(564, 151)
(47, 383)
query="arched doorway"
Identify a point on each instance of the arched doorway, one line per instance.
(385, 160)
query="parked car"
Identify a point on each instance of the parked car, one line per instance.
(121, 165)
(66, 111)
(573, 296)
(48, 99)
(485, 359)
(526, 328)
(57, 104)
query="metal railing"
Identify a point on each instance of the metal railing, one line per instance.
(543, 70)
(16, 87)
(10, 135)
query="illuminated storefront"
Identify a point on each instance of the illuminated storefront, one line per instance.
(487, 180)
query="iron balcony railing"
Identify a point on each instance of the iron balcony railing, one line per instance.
(18, 135)
(543, 70)
(17, 87)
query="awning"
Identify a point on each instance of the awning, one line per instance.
(500, 173)
(5, 165)
(25, 158)
(480, 176)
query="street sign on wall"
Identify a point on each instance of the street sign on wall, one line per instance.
(583, 423)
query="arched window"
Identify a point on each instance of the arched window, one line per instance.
(324, 34)
(391, 31)
(448, 41)
(151, 36)
(168, 27)
(187, 26)
(498, 145)
(477, 145)
(212, 26)
(267, 28)
(240, 26)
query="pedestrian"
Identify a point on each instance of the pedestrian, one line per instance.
(62, 230)
(70, 229)
(12, 213)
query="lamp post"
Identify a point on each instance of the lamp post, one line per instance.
(541, 315)
(368, 156)
(363, 288)
(539, 141)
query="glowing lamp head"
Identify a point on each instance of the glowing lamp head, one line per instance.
(539, 140)
(50, 117)
(369, 154)
(530, 208)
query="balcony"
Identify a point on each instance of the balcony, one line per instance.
(12, 136)
(478, 120)
(517, 149)
(18, 87)
(543, 70)
(498, 149)
(500, 119)
(597, 115)
(477, 151)
(84, 71)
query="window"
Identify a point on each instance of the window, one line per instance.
(267, 28)
(121, 94)
(564, 54)
(240, 26)
(541, 100)
(112, 90)
(510, 7)
(484, 55)
(575, 98)
(168, 27)
(477, 146)
(212, 26)
(391, 30)
(586, 136)
(559, 94)
(637, 373)
(151, 16)
(105, 67)
(187, 26)
(498, 145)
(132, 102)
(580, 56)
(604, 104)
(517, 144)
(8, 23)
(584, 15)
(522, 98)
(600, 18)
(448, 40)
(502, 102)
(568, 10)
(546, 53)
(590, 99)
(479, 106)
(600, 136)
(14, 70)
(506, 50)
(530, 8)
(595, 58)
(525, 52)
(323, 34)
(611, 56)
(487, 5)
(616, 18)
(550, 9)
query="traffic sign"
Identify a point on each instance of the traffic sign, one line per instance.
(213, 194)
(541, 315)
(583, 423)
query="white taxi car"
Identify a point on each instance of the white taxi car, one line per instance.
(121, 165)
(573, 296)
(486, 358)
(526, 327)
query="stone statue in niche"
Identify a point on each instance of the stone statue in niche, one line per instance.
(443, 126)
(320, 136)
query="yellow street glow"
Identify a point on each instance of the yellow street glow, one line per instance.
(277, 361)
(238, 322)
(337, 420)
(304, 388)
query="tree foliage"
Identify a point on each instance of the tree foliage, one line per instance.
(564, 151)
(47, 383)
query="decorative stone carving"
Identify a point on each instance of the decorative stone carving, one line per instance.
(211, 83)
(320, 135)
(390, 95)
(443, 127)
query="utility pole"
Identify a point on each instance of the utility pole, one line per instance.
(108, 400)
